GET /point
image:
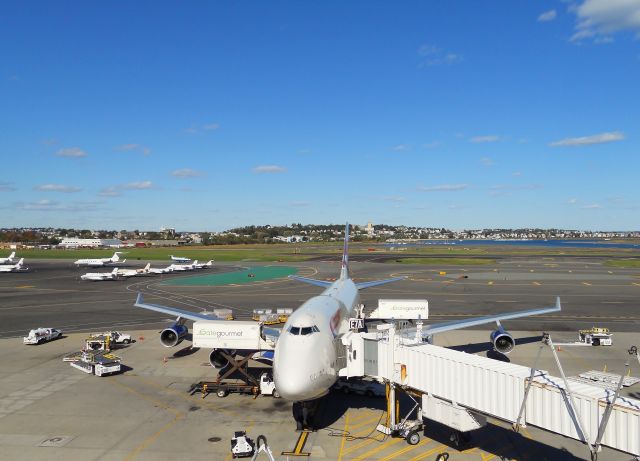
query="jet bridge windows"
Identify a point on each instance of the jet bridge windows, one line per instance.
(303, 330)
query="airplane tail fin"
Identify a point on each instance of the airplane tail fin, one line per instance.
(20, 262)
(147, 267)
(344, 270)
(12, 255)
(114, 271)
(115, 257)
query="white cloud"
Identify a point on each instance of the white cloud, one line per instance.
(400, 147)
(57, 188)
(138, 185)
(516, 173)
(590, 140)
(186, 173)
(190, 130)
(6, 187)
(501, 187)
(572, 201)
(486, 161)
(604, 40)
(51, 205)
(443, 188)
(269, 169)
(593, 206)
(489, 138)
(432, 145)
(604, 17)
(432, 55)
(210, 126)
(206, 127)
(394, 198)
(75, 152)
(49, 141)
(133, 146)
(110, 192)
(299, 204)
(547, 16)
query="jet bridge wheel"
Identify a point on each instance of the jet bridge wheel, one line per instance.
(221, 393)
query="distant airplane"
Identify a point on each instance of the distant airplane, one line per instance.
(203, 265)
(17, 267)
(184, 267)
(133, 272)
(159, 270)
(180, 259)
(8, 260)
(100, 262)
(100, 276)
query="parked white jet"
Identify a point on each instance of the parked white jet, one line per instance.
(8, 260)
(180, 259)
(206, 265)
(99, 276)
(100, 262)
(17, 267)
(184, 267)
(305, 363)
(163, 270)
(133, 272)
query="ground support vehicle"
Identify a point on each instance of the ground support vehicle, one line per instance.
(114, 337)
(222, 388)
(97, 363)
(268, 317)
(41, 335)
(360, 386)
(596, 336)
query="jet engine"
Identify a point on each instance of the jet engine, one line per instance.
(173, 335)
(502, 341)
(217, 360)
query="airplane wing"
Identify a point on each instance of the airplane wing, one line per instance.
(373, 283)
(319, 283)
(173, 311)
(457, 324)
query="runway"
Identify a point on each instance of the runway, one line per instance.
(51, 294)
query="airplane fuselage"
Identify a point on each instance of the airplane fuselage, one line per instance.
(306, 362)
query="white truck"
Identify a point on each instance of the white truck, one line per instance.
(115, 337)
(41, 335)
(596, 336)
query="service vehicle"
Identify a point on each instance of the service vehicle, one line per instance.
(266, 386)
(116, 337)
(361, 387)
(99, 363)
(596, 336)
(41, 335)
(241, 445)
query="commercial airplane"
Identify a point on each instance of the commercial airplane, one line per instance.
(206, 265)
(8, 260)
(180, 259)
(305, 363)
(163, 270)
(100, 262)
(100, 276)
(17, 267)
(133, 272)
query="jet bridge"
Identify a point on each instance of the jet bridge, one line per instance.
(457, 389)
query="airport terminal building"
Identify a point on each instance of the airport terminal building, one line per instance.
(74, 242)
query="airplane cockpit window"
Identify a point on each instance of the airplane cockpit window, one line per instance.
(306, 330)
(303, 330)
(294, 330)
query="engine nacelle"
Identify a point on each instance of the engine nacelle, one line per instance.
(502, 341)
(173, 335)
(217, 360)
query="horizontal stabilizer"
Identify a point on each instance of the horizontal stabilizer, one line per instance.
(319, 283)
(173, 311)
(374, 283)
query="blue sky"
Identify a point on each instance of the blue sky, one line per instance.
(208, 115)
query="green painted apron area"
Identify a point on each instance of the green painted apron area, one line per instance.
(260, 274)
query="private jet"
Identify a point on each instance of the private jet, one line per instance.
(100, 276)
(134, 272)
(184, 267)
(100, 262)
(17, 267)
(206, 265)
(161, 270)
(8, 260)
(180, 259)
(305, 362)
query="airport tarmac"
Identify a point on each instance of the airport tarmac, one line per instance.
(50, 409)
